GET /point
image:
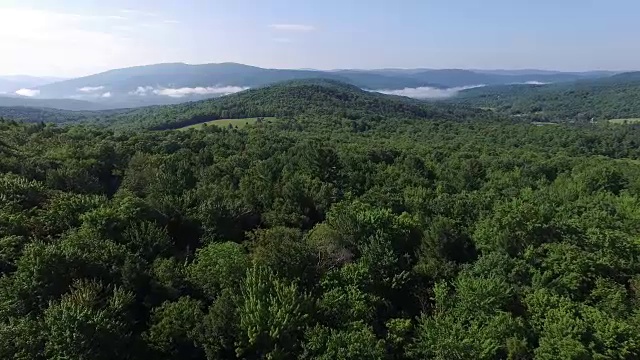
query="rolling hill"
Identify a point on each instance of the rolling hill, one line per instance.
(313, 97)
(615, 97)
(55, 116)
(60, 104)
(449, 78)
(317, 97)
(460, 78)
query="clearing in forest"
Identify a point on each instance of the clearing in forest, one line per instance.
(239, 123)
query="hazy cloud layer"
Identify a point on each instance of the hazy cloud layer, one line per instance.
(186, 91)
(89, 89)
(142, 90)
(28, 92)
(427, 92)
(181, 92)
(292, 27)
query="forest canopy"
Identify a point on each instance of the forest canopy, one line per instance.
(397, 231)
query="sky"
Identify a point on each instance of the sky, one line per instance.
(69, 38)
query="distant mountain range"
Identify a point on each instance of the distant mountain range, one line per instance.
(583, 74)
(62, 104)
(174, 83)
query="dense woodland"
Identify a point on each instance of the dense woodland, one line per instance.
(616, 97)
(316, 97)
(585, 101)
(54, 116)
(441, 234)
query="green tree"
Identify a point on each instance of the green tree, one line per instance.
(91, 322)
(356, 341)
(218, 266)
(175, 329)
(273, 315)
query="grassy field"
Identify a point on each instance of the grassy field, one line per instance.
(240, 123)
(627, 121)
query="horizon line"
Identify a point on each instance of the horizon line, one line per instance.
(329, 69)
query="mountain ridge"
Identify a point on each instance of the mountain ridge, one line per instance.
(12, 83)
(159, 84)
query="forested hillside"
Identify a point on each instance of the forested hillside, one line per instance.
(315, 97)
(583, 101)
(609, 98)
(320, 236)
(29, 114)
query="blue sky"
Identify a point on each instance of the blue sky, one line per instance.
(79, 37)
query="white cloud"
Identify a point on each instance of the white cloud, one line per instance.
(142, 90)
(28, 92)
(117, 17)
(292, 27)
(427, 92)
(535, 83)
(172, 22)
(186, 91)
(106, 95)
(88, 89)
(182, 92)
(282, 40)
